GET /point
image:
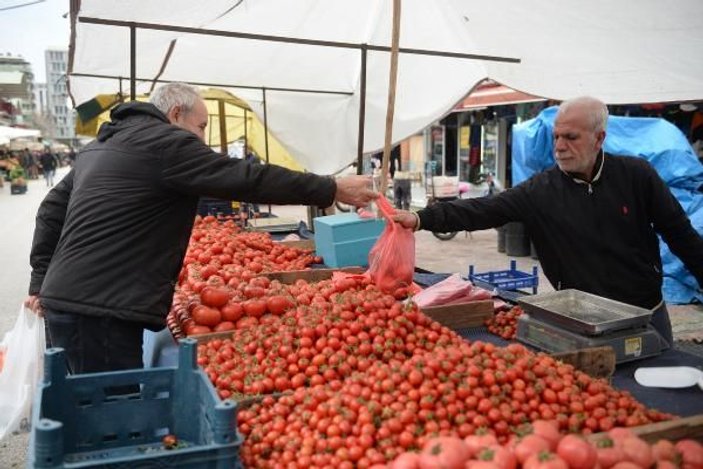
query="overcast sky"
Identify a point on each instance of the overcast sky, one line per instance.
(30, 30)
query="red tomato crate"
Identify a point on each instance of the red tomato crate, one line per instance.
(81, 421)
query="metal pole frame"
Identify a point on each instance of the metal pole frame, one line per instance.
(362, 112)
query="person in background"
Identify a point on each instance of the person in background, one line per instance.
(110, 237)
(48, 162)
(593, 218)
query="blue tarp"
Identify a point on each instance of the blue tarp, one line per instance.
(657, 141)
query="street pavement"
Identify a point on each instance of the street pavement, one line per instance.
(17, 213)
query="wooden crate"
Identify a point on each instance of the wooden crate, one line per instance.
(461, 315)
(312, 275)
(300, 244)
(673, 430)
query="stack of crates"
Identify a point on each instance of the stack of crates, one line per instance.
(345, 240)
(118, 419)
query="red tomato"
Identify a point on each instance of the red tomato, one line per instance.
(637, 451)
(501, 456)
(626, 465)
(610, 456)
(232, 312)
(278, 304)
(447, 451)
(247, 321)
(195, 330)
(254, 308)
(663, 450)
(214, 296)
(205, 316)
(406, 461)
(225, 326)
(545, 460)
(691, 454)
(474, 443)
(548, 430)
(528, 446)
(251, 291)
(577, 452)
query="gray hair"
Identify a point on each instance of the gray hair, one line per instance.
(596, 109)
(174, 94)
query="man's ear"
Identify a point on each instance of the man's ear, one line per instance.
(174, 114)
(600, 138)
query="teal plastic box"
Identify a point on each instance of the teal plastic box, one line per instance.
(345, 240)
(83, 421)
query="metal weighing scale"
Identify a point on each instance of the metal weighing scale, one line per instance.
(570, 320)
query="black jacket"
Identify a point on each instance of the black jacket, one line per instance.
(111, 237)
(598, 237)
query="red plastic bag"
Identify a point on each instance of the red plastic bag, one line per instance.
(392, 258)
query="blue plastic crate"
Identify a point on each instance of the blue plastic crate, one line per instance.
(78, 423)
(512, 279)
(346, 239)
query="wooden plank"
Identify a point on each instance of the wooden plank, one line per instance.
(312, 275)
(300, 244)
(673, 430)
(462, 315)
(598, 362)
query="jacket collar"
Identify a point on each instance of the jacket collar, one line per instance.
(120, 115)
(600, 162)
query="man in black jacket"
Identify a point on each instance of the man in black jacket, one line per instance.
(593, 218)
(111, 236)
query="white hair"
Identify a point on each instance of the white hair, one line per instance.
(596, 109)
(170, 95)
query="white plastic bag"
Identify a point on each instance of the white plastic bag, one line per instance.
(23, 348)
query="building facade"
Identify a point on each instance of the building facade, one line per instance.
(17, 89)
(56, 61)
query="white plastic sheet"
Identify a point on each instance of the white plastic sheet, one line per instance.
(23, 348)
(629, 51)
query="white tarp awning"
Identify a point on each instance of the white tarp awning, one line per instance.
(629, 51)
(9, 133)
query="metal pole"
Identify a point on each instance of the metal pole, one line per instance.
(266, 133)
(223, 126)
(362, 113)
(246, 134)
(133, 62)
(392, 80)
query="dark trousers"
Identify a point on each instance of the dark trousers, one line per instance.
(93, 344)
(661, 322)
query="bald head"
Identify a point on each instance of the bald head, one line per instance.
(594, 110)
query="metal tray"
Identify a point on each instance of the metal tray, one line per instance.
(583, 312)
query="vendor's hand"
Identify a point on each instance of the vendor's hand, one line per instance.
(407, 219)
(355, 190)
(32, 302)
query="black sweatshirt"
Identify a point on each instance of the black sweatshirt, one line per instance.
(599, 237)
(111, 237)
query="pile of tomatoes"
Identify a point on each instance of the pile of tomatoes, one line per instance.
(504, 323)
(323, 333)
(458, 389)
(220, 259)
(366, 378)
(543, 447)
